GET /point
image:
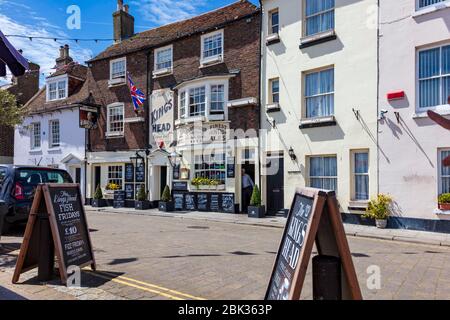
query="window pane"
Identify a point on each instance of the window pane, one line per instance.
(274, 22)
(429, 93)
(446, 60)
(212, 46)
(424, 3)
(362, 187)
(217, 97)
(319, 16)
(197, 101)
(429, 63)
(319, 92)
(446, 90)
(361, 163)
(118, 69)
(164, 59)
(445, 171)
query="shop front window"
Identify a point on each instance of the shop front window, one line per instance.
(211, 167)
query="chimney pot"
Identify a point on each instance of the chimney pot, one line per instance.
(126, 8)
(119, 5)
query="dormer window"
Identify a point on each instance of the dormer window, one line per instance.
(57, 89)
(118, 70)
(163, 61)
(212, 48)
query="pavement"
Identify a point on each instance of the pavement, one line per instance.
(193, 256)
(402, 235)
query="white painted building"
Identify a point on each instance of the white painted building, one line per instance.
(319, 96)
(415, 69)
(50, 135)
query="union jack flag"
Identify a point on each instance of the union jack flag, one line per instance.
(137, 95)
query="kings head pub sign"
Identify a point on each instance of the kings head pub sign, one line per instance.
(209, 202)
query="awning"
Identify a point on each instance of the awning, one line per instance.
(11, 57)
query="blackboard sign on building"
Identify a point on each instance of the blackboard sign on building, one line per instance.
(180, 186)
(176, 172)
(178, 200)
(119, 199)
(189, 200)
(214, 203)
(140, 172)
(228, 205)
(202, 201)
(314, 217)
(129, 191)
(63, 205)
(129, 172)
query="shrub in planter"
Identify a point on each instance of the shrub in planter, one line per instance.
(98, 201)
(380, 210)
(444, 202)
(166, 204)
(255, 210)
(142, 202)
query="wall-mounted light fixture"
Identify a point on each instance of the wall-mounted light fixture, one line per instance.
(292, 154)
(175, 159)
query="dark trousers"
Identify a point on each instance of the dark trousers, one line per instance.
(246, 196)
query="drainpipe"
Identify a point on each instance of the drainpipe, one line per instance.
(260, 95)
(378, 97)
(147, 129)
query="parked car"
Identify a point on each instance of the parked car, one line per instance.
(18, 185)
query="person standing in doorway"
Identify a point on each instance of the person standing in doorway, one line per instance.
(247, 190)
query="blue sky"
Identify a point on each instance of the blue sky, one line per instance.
(48, 18)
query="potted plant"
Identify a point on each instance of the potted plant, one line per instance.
(379, 209)
(166, 203)
(256, 210)
(98, 201)
(142, 202)
(444, 202)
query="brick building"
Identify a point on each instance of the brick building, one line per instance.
(23, 88)
(201, 77)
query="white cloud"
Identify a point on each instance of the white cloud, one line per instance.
(166, 11)
(42, 52)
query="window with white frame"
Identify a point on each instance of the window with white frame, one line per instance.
(323, 172)
(426, 3)
(115, 175)
(115, 119)
(56, 90)
(197, 101)
(274, 22)
(274, 94)
(360, 175)
(35, 135)
(434, 77)
(163, 58)
(118, 69)
(217, 98)
(211, 166)
(319, 16)
(319, 93)
(183, 102)
(54, 138)
(444, 172)
(212, 45)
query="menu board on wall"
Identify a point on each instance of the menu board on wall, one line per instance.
(214, 203)
(228, 203)
(140, 172)
(231, 168)
(178, 200)
(190, 202)
(202, 201)
(129, 191)
(129, 172)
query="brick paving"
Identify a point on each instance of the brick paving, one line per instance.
(165, 257)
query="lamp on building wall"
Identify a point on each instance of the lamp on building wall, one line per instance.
(175, 159)
(292, 154)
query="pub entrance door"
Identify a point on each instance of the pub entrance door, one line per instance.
(163, 179)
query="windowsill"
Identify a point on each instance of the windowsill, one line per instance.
(211, 62)
(431, 9)
(318, 122)
(273, 107)
(272, 39)
(35, 151)
(322, 37)
(54, 149)
(358, 205)
(190, 120)
(441, 212)
(216, 117)
(442, 110)
(162, 73)
(54, 100)
(110, 135)
(116, 83)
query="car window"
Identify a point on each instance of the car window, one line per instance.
(36, 176)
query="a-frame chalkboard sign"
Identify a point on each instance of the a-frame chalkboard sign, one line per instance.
(314, 217)
(58, 207)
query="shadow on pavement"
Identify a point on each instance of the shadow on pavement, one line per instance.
(6, 294)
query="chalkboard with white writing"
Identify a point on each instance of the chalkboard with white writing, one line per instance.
(202, 201)
(190, 204)
(291, 247)
(228, 203)
(178, 199)
(129, 172)
(140, 172)
(129, 191)
(72, 225)
(214, 204)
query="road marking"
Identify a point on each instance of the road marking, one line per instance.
(97, 274)
(155, 286)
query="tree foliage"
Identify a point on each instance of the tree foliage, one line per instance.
(10, 113)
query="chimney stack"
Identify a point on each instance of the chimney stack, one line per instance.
(64, 57)
(123, 22)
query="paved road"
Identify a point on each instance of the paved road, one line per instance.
(147, 257)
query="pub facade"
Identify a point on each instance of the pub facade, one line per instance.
(200, 125)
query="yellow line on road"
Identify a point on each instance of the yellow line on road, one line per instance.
(155, 286)
(136, 286)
